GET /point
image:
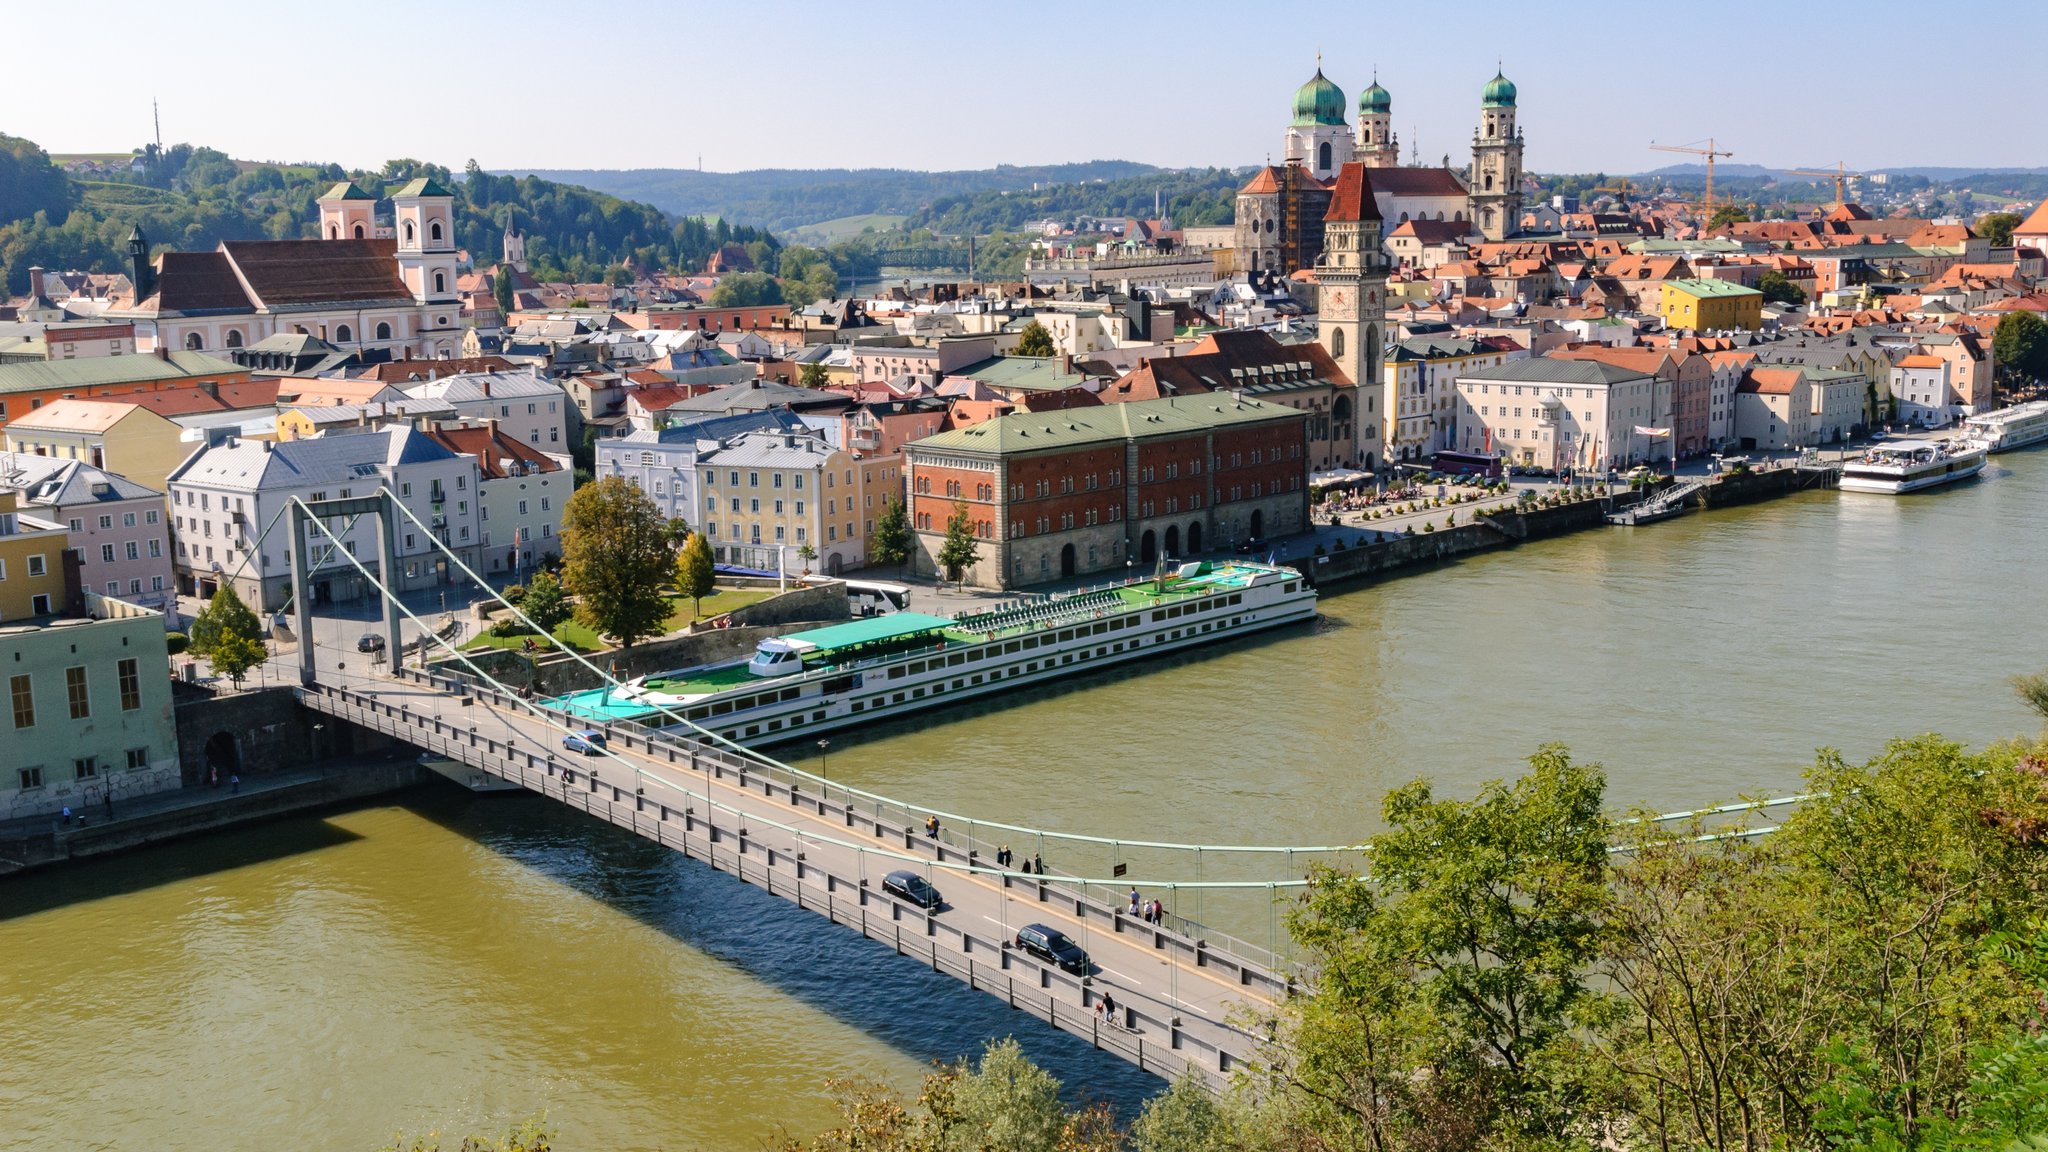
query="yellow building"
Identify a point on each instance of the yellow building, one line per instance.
(1710, 305)
(31, 563)
(125, 439)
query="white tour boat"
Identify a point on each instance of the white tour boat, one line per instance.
(905, 662)
(2010, 428)
(1897, 466)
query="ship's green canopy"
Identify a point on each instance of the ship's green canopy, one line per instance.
(857, 632)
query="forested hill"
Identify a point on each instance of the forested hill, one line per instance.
(191, 198)
(784, 198)
(1192, 196)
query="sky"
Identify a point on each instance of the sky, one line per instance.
(763, 84)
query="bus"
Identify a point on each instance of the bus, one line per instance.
(1468, 464)
(870, 597)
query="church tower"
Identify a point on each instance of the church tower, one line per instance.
(1376, 144)
(514, 248)
(1496, 183)
(347, 213)
(425, 217)
(1318, 139)
(1351, 286)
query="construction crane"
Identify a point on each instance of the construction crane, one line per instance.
(1840, 176)
(1621, 188)
(1710, 152)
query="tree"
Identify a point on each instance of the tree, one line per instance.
(616, 557)
(746, 290)
(2033, 688)
(2020, 345)
(1034, 340)
(1997, 227)
(223, 617)
(678, 531)
(806, 553)
(696, 574)
(545, 603)
(812, 375)
(1009, 1103)
(1725, 215)
(501, 290)
(891, 542)
(1184, 1118)
(233, 654)
(959, 550)
(1778, 289)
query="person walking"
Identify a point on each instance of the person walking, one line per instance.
(67, 815)
(234, 781)
(1134, 902)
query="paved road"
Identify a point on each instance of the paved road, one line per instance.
(1176, 996)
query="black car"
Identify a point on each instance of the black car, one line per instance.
(911, 887)
(1052, 946)
(369, 642)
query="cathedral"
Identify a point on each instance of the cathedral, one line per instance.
(1280, 212)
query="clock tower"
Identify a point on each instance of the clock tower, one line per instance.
(1351, 279)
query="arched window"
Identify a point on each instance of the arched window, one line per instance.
(383, 331)
(359, 231)
(435, 231)
(234, 338)
(408, 232)
(333, 233)
(344, 333)
(1337, 342)
(1489, 181)
(1489, 127)
(440, 282)
(193, 342)
(1323, 157)
(1404, 217)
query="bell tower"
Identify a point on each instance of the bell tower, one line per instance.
(1351, 279)
(425, 216)
(346, 213)
(1376, 143)
(1495, 188)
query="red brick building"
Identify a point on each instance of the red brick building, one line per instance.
(1110, 489)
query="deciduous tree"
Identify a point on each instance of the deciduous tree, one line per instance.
(545, 603)
(616, 557)
(957, 553)
(224, 616)
(1034, 340)
(696, 574)
(891, 542)
(1997, 227)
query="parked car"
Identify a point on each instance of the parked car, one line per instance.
(1054, 947)
(912, 888)
(369, 642)
(585, 743)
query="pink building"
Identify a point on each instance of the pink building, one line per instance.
(117, 526)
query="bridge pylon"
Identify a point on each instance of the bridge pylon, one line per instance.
(302, 514)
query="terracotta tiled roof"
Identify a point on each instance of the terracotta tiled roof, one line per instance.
(1266, 182)
(1352, 200)
(491, 448)
(318, 271)
(195, 282)
(2036, 223)
(1922, 361)
(1416, 182)
(400, 371)
(224, 398)
(1770, 381)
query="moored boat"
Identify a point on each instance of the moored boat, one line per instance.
(1900, 466)
(904, 662)
(2009, 428)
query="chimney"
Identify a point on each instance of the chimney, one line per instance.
(35, 283)
(487, 387)
(163, 353)
(211, 388)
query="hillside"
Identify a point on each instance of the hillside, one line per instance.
(784, 198)
(194, 197)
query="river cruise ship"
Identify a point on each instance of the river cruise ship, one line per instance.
(906, 662)
(1910, 465)
(2009, 428)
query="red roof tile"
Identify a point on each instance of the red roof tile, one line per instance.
(1352, 201)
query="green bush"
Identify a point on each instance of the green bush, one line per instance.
(514, 593)
(175, 642)
(508, 625)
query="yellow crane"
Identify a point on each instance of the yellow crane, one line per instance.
(1711, 152)
(1840, 176)
(1621, 188)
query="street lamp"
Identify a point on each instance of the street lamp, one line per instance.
(823, 745)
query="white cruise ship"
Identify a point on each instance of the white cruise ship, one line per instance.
(1911, 465)
(2010, 428)
(907, 662)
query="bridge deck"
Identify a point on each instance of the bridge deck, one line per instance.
(1176, 995)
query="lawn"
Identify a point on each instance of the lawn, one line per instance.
(721, 601)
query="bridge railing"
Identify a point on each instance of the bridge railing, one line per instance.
(1248, 964)
(1023, 981)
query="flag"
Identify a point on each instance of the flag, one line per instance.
(1486, 442)
(1652, 433)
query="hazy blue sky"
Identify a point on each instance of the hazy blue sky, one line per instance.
(752, 84)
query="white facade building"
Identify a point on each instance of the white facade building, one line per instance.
(663, 464)
(527, 406)
(1559, 413)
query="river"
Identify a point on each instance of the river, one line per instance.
(455, 962)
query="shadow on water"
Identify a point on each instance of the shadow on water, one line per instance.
(125, 873)
(924, 1014)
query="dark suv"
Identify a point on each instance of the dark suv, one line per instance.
(1053, 946)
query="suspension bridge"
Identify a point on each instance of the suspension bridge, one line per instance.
(1186, 997)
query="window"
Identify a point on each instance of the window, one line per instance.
(138, 758)
(85, 767)
(344, 333)
(37, 566)
(31, 778)
(131, 551)
(383, 331)
(75, 690)
(106, 521)
(107, 552)
(24, 697)
(435, 230)
(131, 685)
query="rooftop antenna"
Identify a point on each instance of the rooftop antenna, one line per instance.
(157, 119)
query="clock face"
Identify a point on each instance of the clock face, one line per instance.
(1339, 298)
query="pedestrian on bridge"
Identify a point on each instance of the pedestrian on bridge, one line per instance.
(931, 827)
(1134, 902)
